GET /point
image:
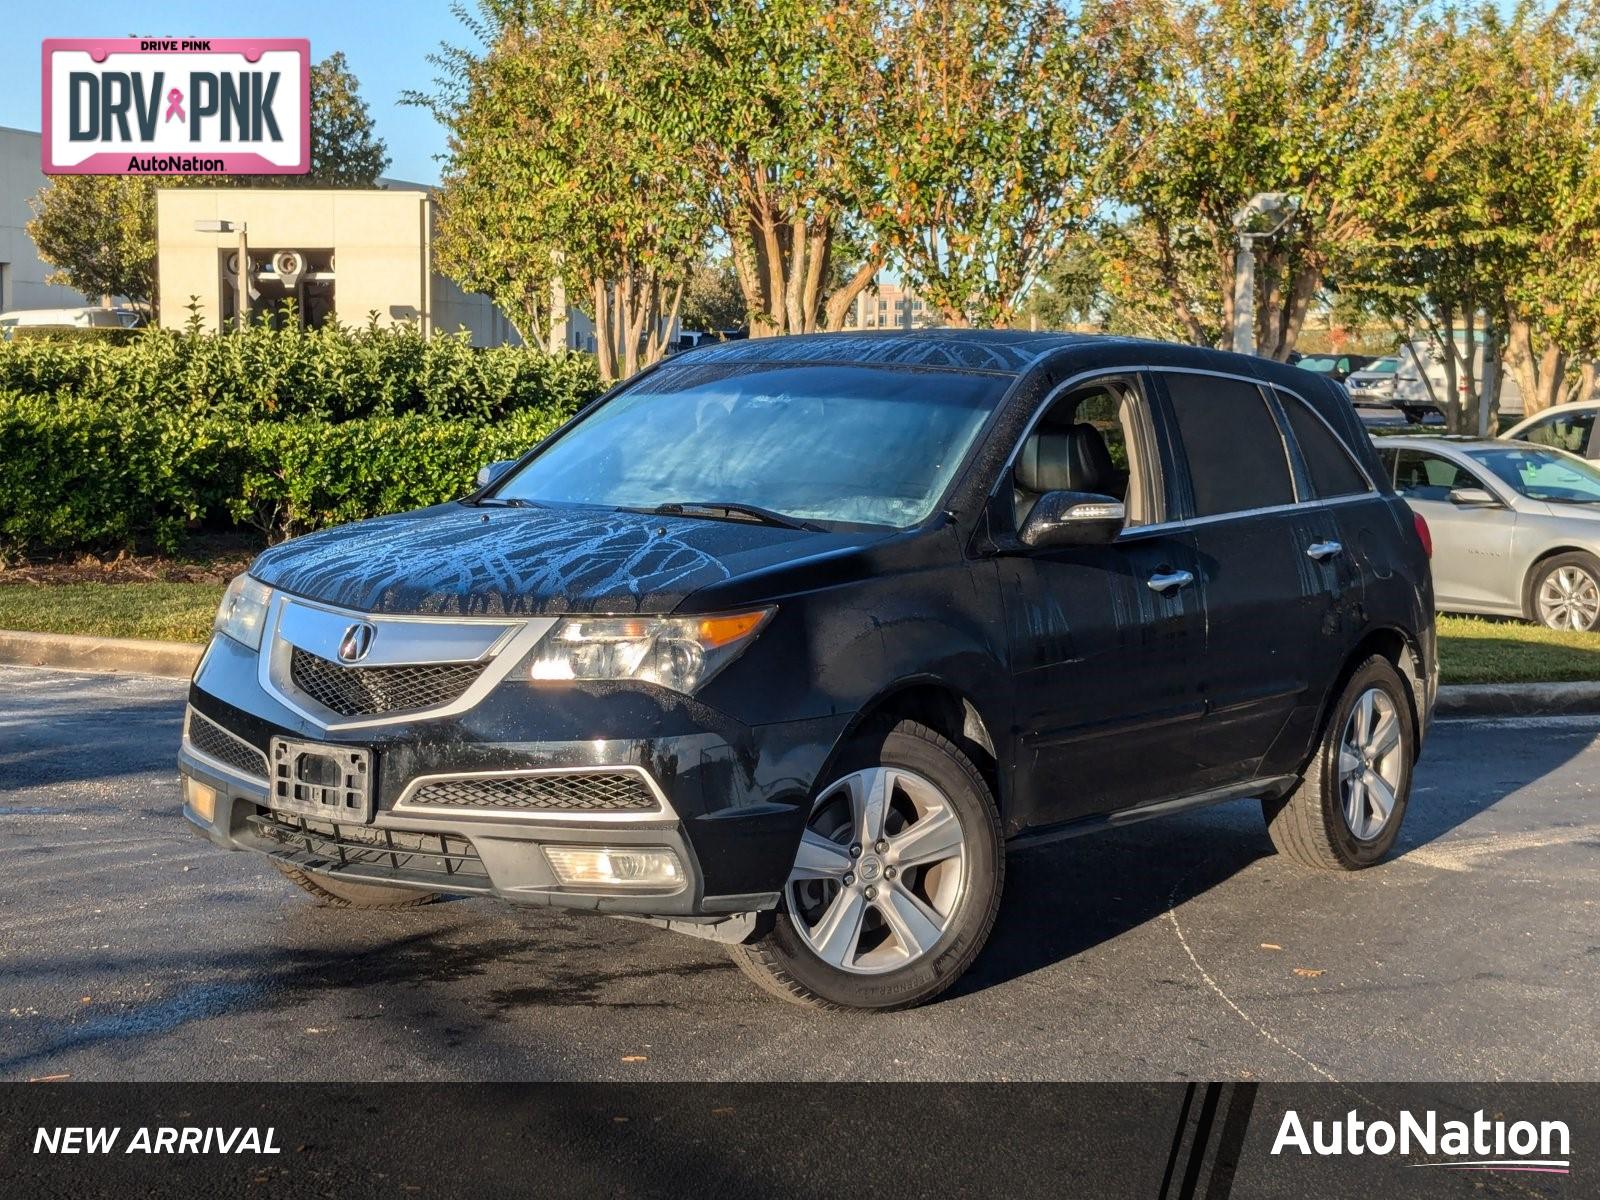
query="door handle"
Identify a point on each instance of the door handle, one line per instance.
(1323, 550)
(1165, 581)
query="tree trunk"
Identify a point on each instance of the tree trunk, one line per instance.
(837, 310)
(1445, 335)
(602, 332)
(1588, 383)
(1292, 317)
(1539, 374)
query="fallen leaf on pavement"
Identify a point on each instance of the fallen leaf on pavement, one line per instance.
(1271, 946)
(635, 1058)
(1309, 972)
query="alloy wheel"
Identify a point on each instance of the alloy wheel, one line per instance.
(1569, 598)
(1371, 759)
(881, 871)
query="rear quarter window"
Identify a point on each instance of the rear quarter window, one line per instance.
(1333, 472)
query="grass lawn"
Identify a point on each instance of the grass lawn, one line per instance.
(1471, 649)
(176, 612)
(1479, 650)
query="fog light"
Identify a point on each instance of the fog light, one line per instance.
(607, 866)
(202, 800)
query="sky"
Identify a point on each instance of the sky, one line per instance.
(387, 45)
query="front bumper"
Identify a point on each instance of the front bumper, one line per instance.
(734, 796)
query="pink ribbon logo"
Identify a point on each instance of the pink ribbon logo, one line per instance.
(175, 105)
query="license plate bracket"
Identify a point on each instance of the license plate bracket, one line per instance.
(315, 779)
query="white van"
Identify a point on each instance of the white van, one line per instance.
(1424, 358)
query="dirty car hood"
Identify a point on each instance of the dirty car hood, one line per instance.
(458, 559)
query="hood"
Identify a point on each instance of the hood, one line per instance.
(455, 559)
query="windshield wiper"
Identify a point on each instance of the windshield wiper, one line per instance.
(731, 510)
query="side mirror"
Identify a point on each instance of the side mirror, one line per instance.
(1472, 497)
(1073, 519)
(488, 474)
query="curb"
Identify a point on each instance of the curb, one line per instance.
(174, 660)
(1517, 699)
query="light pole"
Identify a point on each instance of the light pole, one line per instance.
(239, 227)
(1262, 217)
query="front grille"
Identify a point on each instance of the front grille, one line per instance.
(212, 740)
(385, 852)
(595, 791)
(354, 691)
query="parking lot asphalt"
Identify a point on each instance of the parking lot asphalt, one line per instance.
(1183, 948)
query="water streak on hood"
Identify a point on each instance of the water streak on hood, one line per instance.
(454, 559)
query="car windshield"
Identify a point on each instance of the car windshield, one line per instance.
(849, 444)
(1544, 474)
(1318, 364)
(1384, 366)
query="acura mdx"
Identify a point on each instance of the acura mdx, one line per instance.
(784, 643)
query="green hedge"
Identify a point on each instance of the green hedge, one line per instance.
(332, 373)
(79, 474)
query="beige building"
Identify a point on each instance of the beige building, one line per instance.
(341, 255)
(22, 274)
(889, 306)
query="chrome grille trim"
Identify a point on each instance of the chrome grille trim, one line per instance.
(424, 640)
(415, 799)
(207, 740)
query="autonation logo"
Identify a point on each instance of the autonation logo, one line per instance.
(1479, 1145)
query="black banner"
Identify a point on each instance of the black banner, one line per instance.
(1168, 1141)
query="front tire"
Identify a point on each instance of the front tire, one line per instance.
(896, 883)
(1564, 592)
(1346, 813)
(343, 893)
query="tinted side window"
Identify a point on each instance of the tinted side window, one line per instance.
(1564, 431)
(1235, 452)
(1422, 476)
(1332, 471)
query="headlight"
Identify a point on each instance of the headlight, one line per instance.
(679, 653)
(243, 614)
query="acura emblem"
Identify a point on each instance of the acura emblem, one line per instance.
(356, 642)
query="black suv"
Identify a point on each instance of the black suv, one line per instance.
(784, 642)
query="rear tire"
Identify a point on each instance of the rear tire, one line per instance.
(889, 914)
(1564, 592)
(1347, 811)
(343, 893)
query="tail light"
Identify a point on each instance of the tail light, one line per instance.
(1423, 534)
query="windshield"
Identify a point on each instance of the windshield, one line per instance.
(1320, 365)
(1544, 474)
(856, 445)
(1384, 366)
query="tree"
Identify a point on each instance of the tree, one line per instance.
(713, 301)
(1482, 216)
(1541, 89)
(345, 148)
(99, 232)
(1070, 293)
(1234, 98)
(992, 121)
(768, 108)
(556, 171)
